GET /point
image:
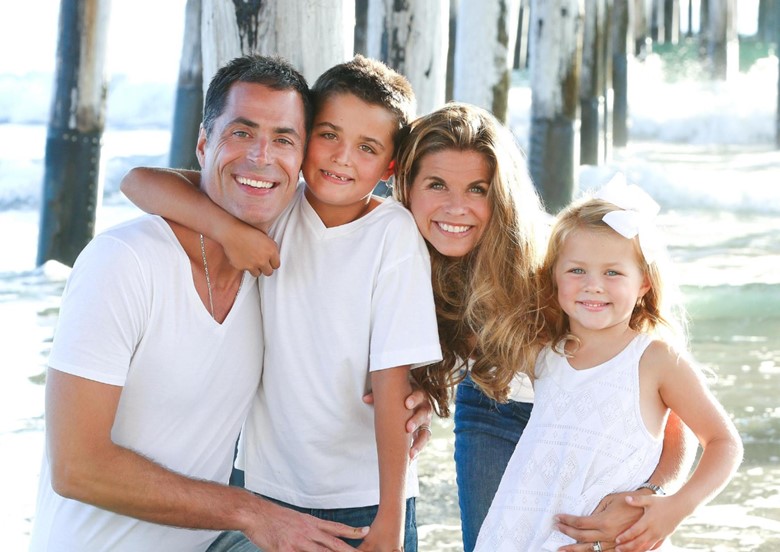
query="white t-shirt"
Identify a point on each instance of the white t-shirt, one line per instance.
(346, 301)
(131, 317)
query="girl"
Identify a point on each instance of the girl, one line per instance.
(605, 384)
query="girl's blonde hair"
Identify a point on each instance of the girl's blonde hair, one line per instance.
(659, 311)
(485, 301)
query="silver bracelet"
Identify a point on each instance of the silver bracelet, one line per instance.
(658, 490)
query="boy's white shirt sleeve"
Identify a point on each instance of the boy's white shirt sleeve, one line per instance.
(405, 330)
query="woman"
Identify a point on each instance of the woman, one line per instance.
(461, 174)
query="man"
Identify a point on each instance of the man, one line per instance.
(157, 353)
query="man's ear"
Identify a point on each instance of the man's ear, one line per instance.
(389, 171)
(200, 147)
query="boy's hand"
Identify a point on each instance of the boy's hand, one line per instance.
(250, 249)
(382, 537)
(419, 422)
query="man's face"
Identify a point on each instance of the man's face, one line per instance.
(253, 154)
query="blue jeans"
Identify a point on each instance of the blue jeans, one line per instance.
(235, 541)
(486, 433)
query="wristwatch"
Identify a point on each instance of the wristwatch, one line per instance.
(655, 488)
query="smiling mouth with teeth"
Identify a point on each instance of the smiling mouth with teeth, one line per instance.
(337, 177)
(262, 184)
(453, 229)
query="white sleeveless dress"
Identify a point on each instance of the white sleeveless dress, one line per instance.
(585, 439)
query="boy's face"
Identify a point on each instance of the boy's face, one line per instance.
(253, 154)
(350, 151)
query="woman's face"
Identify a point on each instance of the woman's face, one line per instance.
(449, 202)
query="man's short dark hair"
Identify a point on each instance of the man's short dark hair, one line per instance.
(273, 72)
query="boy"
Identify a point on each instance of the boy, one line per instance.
(351, 308)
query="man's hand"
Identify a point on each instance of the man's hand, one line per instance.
(419, 422)
(284, 530)
(611, 518)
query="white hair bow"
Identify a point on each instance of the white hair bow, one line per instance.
(636, 215)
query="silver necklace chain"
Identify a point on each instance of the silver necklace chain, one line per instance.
(208, 278)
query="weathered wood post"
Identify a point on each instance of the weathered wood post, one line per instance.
(657, 20)
(76, 122)
(689, 32)
(777, 48)
(361, 27)
(486, 34)
(328, 28)
(641, 27)
(672, 21)
(768, 20)
(417, 38)
(619, 42)
(554, 61)
(453, 34)
(521, 42)
(189, 93)
(592, 80)
(722, 40)
(275, 27)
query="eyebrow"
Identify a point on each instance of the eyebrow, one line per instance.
(251, 124)
(363, 137)
(437, 177)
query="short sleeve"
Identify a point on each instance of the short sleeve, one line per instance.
(103, 312)
(404, 329)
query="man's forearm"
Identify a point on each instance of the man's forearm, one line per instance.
(124, 482)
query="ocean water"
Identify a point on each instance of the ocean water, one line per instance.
(706, 153)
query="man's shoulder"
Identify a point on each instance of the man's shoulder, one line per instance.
(143, 237)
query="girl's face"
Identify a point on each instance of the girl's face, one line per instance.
(448, 199)
(599, 280)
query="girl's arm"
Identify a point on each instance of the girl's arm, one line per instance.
(614, 516)
(175, 195)
(391, 387)
(682, 388)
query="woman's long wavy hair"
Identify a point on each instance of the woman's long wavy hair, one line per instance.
(659, 312)
(485, 301)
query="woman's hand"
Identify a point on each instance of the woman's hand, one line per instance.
(612, 517)
(419, 422)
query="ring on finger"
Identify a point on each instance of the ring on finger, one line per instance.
(597, 546)
(427, 428)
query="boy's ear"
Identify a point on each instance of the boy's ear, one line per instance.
(389, 171)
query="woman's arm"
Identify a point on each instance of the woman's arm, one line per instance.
(613, 516)
(391, 387)
(175, 195)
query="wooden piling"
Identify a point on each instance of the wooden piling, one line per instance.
(76, 122)
(189, 93)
